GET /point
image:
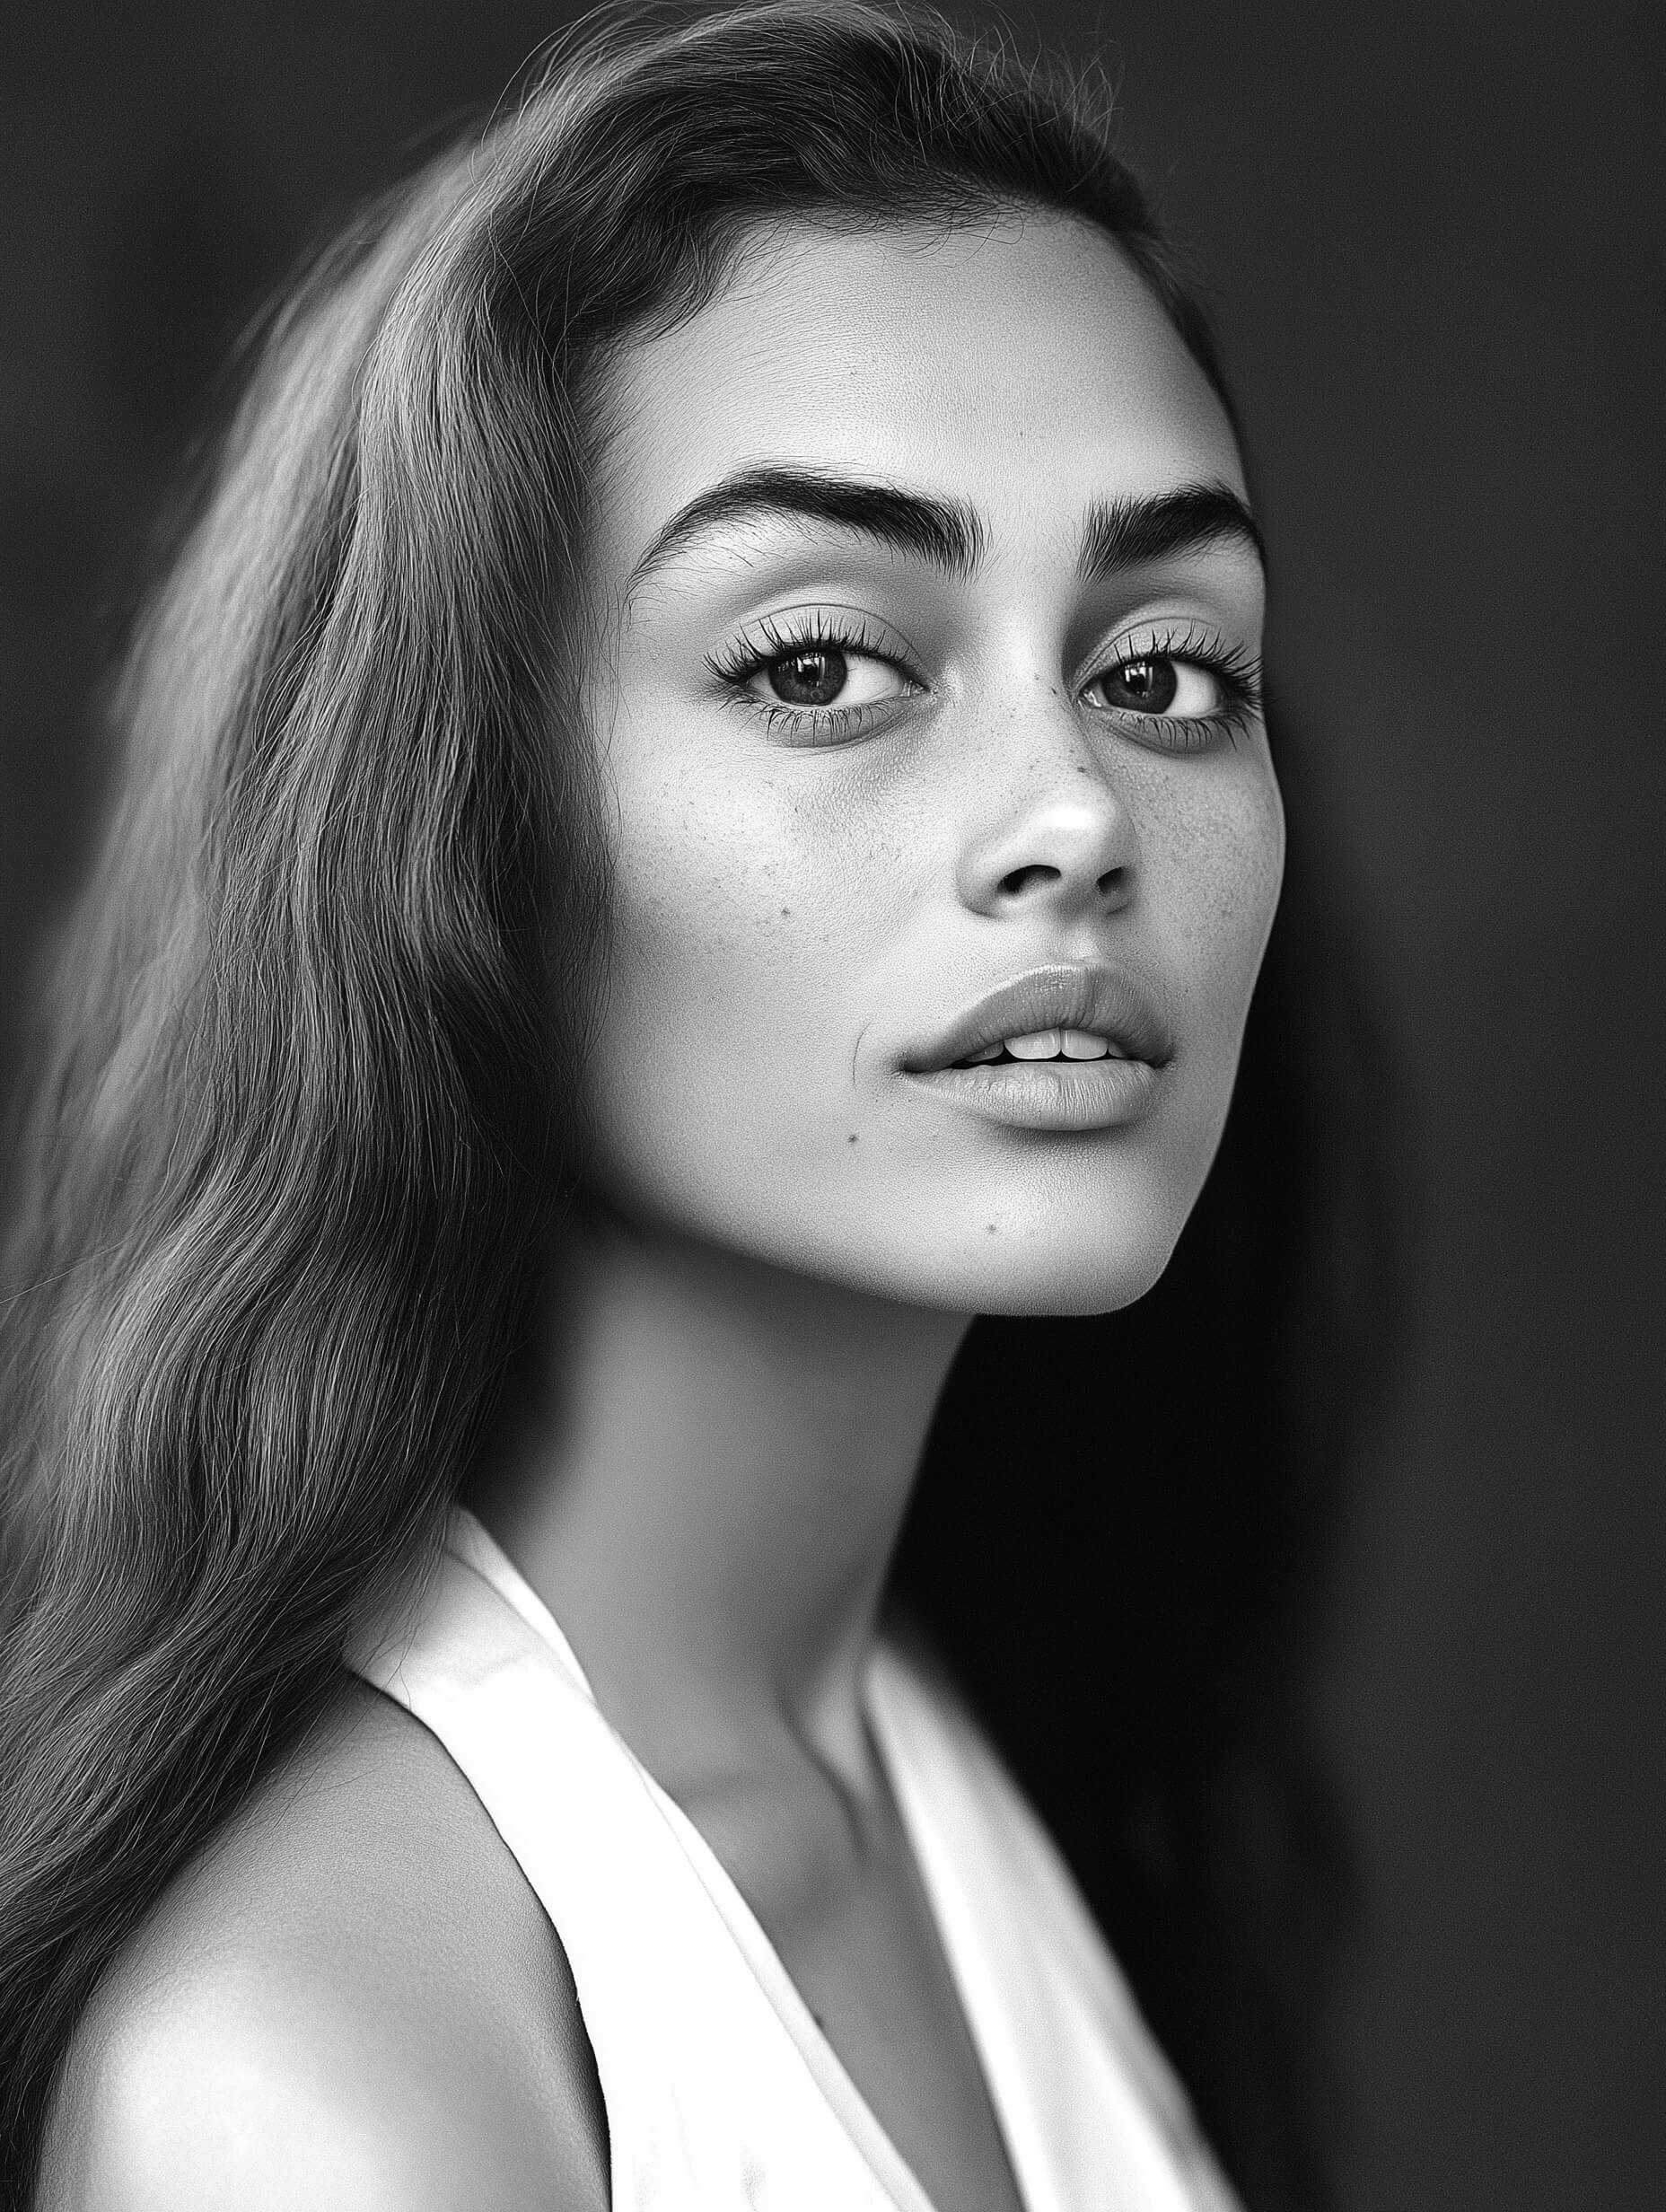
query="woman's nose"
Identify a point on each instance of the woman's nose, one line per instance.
(1067, 845)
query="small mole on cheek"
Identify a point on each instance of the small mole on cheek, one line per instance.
(786, 911)
(992, 1229)
(851, 1139)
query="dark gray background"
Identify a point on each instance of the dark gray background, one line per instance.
(1433, 235)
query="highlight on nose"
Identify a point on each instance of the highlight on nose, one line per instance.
(1080, 854)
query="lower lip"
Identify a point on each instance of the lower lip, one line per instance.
(1050, 1094)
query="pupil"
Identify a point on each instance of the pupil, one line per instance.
(811, 679)
(1148, 685)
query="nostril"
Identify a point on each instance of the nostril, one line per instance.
(1028, 879)
(1112, 880)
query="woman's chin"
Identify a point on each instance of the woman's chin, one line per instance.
(1036, 1283)
(1019, 1269)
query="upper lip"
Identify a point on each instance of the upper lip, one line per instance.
(1087, 994)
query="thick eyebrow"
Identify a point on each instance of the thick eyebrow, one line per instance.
(944, 532)
(1125, 533)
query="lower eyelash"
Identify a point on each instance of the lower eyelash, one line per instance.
(825, 721)
(1198, 733)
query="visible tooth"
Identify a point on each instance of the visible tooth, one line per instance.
(977, 1059)
(1041, 1044)
(1081, 1044)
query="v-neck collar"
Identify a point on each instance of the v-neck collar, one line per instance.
(479, 1550)
(1090, 2117)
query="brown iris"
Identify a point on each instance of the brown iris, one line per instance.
(1146, 687)
(813, 677)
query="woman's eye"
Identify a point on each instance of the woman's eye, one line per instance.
(813, 676)
(1158, 683)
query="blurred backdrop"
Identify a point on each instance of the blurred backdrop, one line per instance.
(1433, 230)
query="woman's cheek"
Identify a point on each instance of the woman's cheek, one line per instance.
(727, 919)
(1221, 862)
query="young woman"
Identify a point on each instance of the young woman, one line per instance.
(697, 813)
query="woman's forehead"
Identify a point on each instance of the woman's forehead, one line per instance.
(1023, 367)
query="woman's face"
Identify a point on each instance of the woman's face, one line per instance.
(929, 721)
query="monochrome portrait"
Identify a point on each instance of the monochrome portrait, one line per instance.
(830, 1017)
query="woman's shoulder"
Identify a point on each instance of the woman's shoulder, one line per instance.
(353, 1998)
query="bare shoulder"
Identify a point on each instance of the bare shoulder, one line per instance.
(353, 2000)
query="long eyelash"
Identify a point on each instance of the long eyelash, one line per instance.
(809, 635)
(805, 634)
(1238, 670)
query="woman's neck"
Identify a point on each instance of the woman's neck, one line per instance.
(706, 1492)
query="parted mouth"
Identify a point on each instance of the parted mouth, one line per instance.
(1066, 1010)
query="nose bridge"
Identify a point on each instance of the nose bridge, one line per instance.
(1052, 825)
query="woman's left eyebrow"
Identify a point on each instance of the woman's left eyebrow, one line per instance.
(1129, 533)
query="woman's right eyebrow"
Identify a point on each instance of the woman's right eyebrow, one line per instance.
(942, 531)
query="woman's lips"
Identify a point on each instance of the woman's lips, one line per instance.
(1045, 1025)
(1050, 1094)
(1084, 996)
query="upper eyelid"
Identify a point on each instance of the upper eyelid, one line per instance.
(829, 615)
(789, 629)
(1200, 644)
(1178, 637)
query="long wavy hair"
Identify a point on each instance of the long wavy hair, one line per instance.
(304, 1112)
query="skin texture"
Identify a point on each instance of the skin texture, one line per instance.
(353, 2003)
(793, 916)
(787, 1229)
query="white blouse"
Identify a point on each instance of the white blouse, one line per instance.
(720, 2090)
